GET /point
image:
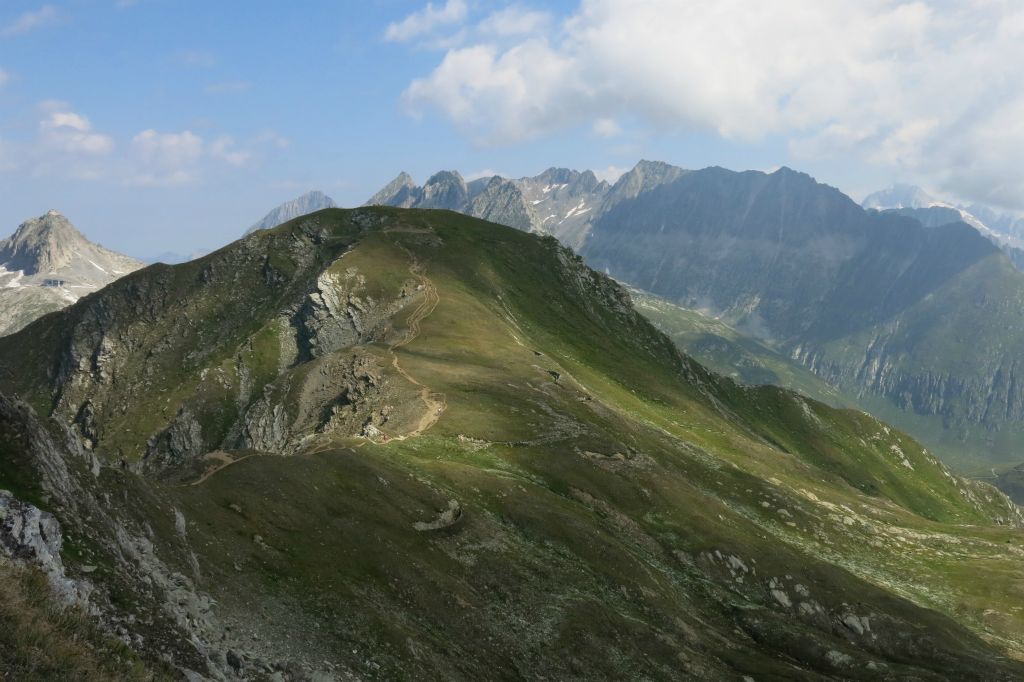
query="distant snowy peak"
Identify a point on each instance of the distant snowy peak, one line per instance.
(289, 210)
(901, 196)
(931, 212)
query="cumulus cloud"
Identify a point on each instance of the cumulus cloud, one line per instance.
(224, 148)
(928, 87)
(611, 173)
(72, 133)
(607, 127)
(427, 20)
(29, 21)
(515, 21)
(67, 145)
(167, 149)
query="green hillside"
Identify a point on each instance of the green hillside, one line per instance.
(408, 444)
(726, 351)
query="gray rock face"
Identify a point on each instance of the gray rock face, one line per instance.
(400, 192)
(300, 206)
(31, 536)
(46, 265)
(503, 202)
(445, 189)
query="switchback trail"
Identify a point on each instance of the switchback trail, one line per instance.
(434, 402)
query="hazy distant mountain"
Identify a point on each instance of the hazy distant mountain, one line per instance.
(289, 210)
(916, 321)
(47, 264)
(1005, 223)
(559, 201)
(913, 202)
(173, 257)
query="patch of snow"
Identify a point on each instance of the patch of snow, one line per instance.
(97, 267)
(15, 281)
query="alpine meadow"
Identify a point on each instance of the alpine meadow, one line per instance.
(732, 391)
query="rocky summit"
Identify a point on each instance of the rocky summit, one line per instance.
(406, 444)
(47, 264)
(299, 206)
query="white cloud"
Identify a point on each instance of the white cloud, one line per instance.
(4, 77)
(271, 138)
(607, 127)
(929, 87)
(611, 173)
(485, 173)
(223, 148)
(30, 20)
(427, 20)
(68, 146)
(71, 133)
(165, 158)
(515, 21)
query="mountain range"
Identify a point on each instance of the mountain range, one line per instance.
(47, 264)
(912, 201)
(404, 444)
(920, 324)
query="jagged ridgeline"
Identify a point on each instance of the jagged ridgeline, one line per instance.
(409, 444)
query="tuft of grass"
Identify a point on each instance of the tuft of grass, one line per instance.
(43, 641)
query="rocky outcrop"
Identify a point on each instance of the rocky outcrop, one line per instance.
(30, 536)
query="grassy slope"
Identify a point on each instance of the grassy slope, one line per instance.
(600, 508)
(726, 351)
(513, 449)
(41, 640)
(733, 354)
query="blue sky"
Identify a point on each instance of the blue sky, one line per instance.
(171, 125)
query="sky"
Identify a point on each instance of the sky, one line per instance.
(172, 125)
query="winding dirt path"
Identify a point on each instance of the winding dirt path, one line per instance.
(225, 460)
(434, 402)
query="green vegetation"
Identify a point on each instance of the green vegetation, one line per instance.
(549, 488)
(726, 351)
(42, 641)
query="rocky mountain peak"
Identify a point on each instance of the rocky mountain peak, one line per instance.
(445, 189)
(395, 192)
(42, 244)
(309, 202)
(643, 177)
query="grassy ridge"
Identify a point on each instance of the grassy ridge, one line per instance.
(621, 511)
